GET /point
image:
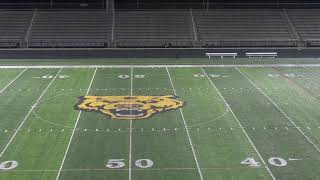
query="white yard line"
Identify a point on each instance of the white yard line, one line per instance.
(186, 127)
(159, 66)
(13, 80)
(130, 128)
(298, 128)
(74, 129)
(26, 117)
(235, 117)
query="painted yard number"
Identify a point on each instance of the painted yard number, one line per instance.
(112, 164)
(210, 75)
(125, 76)
(274, 161)
(50, 77)
(8, 165)
(118, 163)
(147, 163)
(289, 75)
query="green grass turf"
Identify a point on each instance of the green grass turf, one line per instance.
(274, 112)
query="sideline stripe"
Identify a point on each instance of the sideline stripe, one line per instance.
(235, 117)
(298, 128)
(160, 66)
(13, 80)
(130, 137)
(74, 129)
(26, 117)
(186, 127)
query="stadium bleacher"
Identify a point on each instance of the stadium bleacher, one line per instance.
(13, 27)
(242, 28)
(160, 28)
(71, 29)
(307, 25)
(153, 28)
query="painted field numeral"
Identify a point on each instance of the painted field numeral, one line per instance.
(288, 75)
(144, 163)
(118, 163)
(8, 165)
(274, 161)
(250, 162)
(210, 75)
(125, 76)
(51, 76)
(115, 163)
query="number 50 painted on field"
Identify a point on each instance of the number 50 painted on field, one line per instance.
(118, 163)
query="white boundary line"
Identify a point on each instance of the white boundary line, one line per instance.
(74, 129)
(26, 117)
(13, 80)
(160, 66)
(298, 128)
(186, 127)
(235, 117)
(130, 136)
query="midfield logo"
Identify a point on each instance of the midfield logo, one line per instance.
(129, 107)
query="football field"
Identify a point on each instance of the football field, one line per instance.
(160, 123)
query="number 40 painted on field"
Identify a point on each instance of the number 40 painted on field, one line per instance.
(274, 161)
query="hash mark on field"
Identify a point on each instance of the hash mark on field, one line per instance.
(144, 130)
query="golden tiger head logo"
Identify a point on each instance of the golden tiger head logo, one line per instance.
(129, 107)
